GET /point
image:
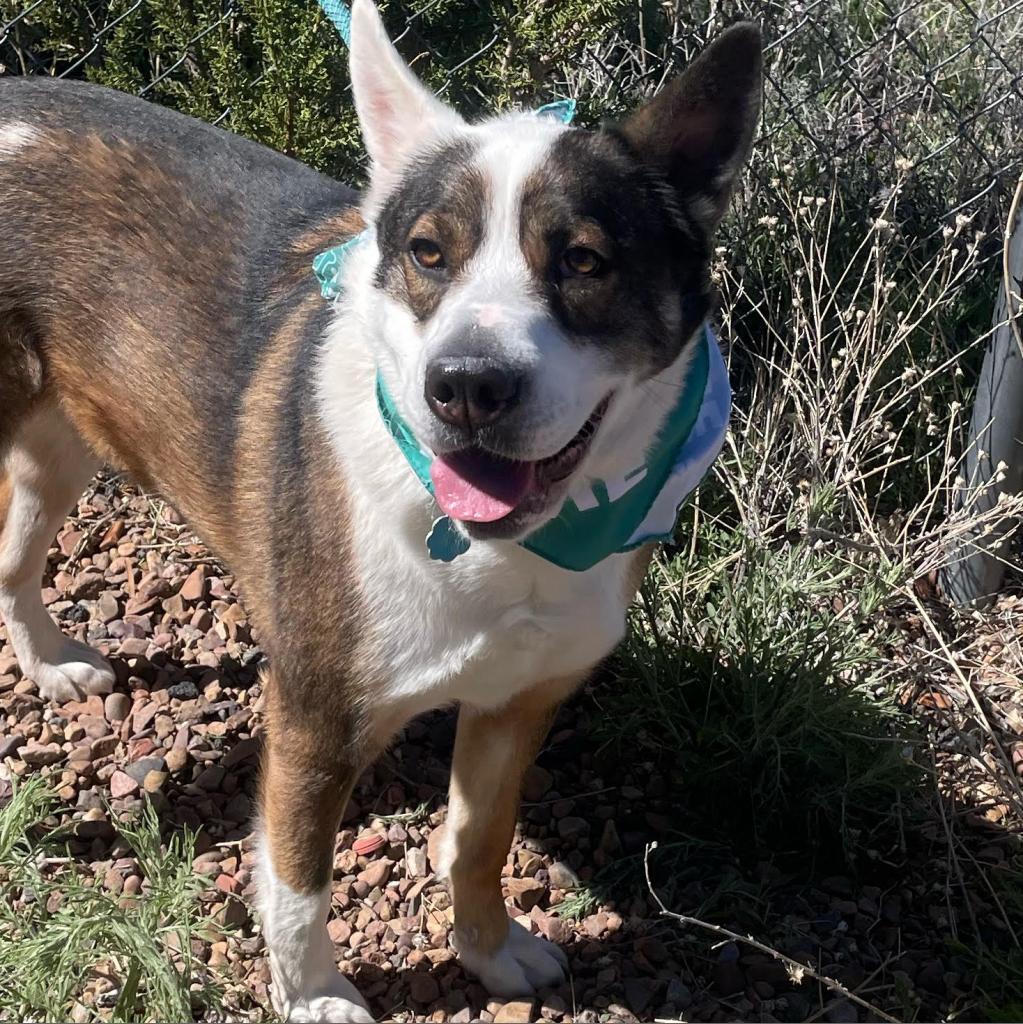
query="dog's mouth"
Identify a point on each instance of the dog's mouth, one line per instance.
(474, 485)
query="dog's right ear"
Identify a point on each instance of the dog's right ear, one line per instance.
(698, 130)
(398, 114)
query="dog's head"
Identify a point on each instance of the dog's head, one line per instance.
(532, 278)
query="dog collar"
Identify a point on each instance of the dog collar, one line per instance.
(606, 517)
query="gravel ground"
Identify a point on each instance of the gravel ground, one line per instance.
(184, 727)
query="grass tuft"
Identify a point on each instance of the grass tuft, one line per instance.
(69, 949)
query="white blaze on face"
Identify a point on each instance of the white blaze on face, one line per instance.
(16, 136)
(496, 293)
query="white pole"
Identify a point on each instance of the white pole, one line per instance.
(974, 571)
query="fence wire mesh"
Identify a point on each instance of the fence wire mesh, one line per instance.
(880, 85)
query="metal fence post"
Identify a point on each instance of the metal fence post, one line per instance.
(994, 457)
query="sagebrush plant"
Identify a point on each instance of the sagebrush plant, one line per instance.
(61, 931)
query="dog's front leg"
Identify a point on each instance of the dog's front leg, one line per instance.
(492, 751)
(309, 767)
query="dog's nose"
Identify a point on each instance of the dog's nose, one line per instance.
(469, 393)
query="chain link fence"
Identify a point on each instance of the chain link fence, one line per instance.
(922, 83)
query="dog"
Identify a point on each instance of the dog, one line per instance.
(525, 300)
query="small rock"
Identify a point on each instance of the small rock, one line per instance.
(536, 783)
(415, 862)
(36, 756)
(339, 930)
(376, 875)
(527, 892)
(194, 587)
(423, 989)
(176, 759)
(122, 784)
(10, 746)
(116, 707)
(68, 541)
(572, 827)
(154, 781)
(562, 876)
(520, 1011)
(86, 586)
(842, 1012)
(112, 535)
(139, 769)
(679, 994)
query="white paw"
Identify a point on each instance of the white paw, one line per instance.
(71, 672)
(337, 1002)
(522, 965)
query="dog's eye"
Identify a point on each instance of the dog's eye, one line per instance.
(427, 254)
(580, 262)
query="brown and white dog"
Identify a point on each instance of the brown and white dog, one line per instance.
(157, 311)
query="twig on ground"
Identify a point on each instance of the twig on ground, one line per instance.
(796, 969)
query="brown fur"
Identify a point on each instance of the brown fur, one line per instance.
(492, 752)
(453, 219)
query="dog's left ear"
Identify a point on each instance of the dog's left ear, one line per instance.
(397, 113)
(699, 129)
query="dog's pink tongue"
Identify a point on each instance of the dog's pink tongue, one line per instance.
(477, 487)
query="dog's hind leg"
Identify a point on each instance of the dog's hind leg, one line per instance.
(47, 467)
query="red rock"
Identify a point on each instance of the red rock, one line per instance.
(112, 535)
(227, 883)
(527, 892)
(415, 862)
(38, 755)
(367, 843)
(138, 749)
(339, 930)
(103, 746)
(194, 587)
(122, 784)
(376, 875)
(68, 541)
(143, 716)
(86, 586)
(133, 647)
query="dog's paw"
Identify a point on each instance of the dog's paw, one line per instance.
(522, 965)
(72, 671)
(338, 1001)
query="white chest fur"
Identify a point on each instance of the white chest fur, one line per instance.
(496, 621)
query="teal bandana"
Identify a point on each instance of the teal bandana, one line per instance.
(606, 517)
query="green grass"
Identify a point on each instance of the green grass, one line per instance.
(47, 956)
(776, 714)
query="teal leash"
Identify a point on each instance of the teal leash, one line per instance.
(341, 16)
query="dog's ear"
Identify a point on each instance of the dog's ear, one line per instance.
(398, 114)
(699, 129)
